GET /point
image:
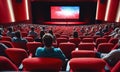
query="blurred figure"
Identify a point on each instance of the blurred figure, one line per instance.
(32, 33)
(99, 32)
(18, 38)
(48, 50)
(10, 32)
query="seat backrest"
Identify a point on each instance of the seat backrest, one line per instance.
(113, 40)
(7, 43)
(16, 55)
(42, 64)
(100, 40)
(21, 45)
(86, 46)
(87, 65)
(7, 65)
(83, 53)
(87, 40)
(105, 47)
(6, 38)
(116, 68)
(67, 48)
(29, 39)
(32, 46)
(61, 40)
(76, 41)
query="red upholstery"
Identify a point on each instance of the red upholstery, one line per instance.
(107, 37)
(67, 48)
(76, 41)
(83, 53)
(61, 40)
(116, 68)
(87, 64)
(87, 40)
(7, 43)
(29, 39)
(113, 40)
(47, 64)
(16, 55)
(115, 46)
(24, 34)
(7, 65)
(100, 40)
(95, 37)
(19, 45)
(32, 46)
(6, 38)
(105, 47)
(86, 46)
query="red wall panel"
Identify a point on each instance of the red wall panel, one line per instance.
(4, 12)
(19, 10)
(112, 10)
(101, 10)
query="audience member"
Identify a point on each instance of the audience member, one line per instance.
(114, 32)
(3, 47)
(112, 57)
(48, 50)
(10, 32)
(33, 33)
(51, 32)
(18, 38)
(99, 32)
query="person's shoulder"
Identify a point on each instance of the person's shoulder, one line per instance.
(40, 48)
(57, 49)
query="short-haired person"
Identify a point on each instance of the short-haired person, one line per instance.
(48, 50)
(18, 38)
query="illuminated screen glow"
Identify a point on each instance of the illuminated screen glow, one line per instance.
(65, 12)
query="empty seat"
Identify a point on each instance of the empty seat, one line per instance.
(105, 47)
(32, 46)
(7, 43)
(116, 68)
(7, 65)
(87, 40)
(42, 64)
(113, 40)
(76, 41)
(16, 55)
(67, 48)
(86, 46)
(83, 53)
(100, 40)
(61, 40)
(87, 65)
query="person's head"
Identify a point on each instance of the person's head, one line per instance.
(10, 29)
(75, 34)
(18, 34)
(32, 28)
(42, 33)
(51, 32)
(47, 39)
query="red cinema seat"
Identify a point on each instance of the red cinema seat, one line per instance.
(61, 40)
(87, 40)
(20, 45)
(76, 41)
(7, 65)
(32, 46)
(105, 47)
(86, 46)
(67, 48)
(113, 40)
(116, 68)
(29, 39)
(16, 55)
(7, 43)
(100, 40)
(87, 65)
(42, 64)
(83, 53)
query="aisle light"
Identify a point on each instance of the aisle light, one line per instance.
(97, 11)
(118, 14)
(11, 10)
(26, 6)
(107, 10)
